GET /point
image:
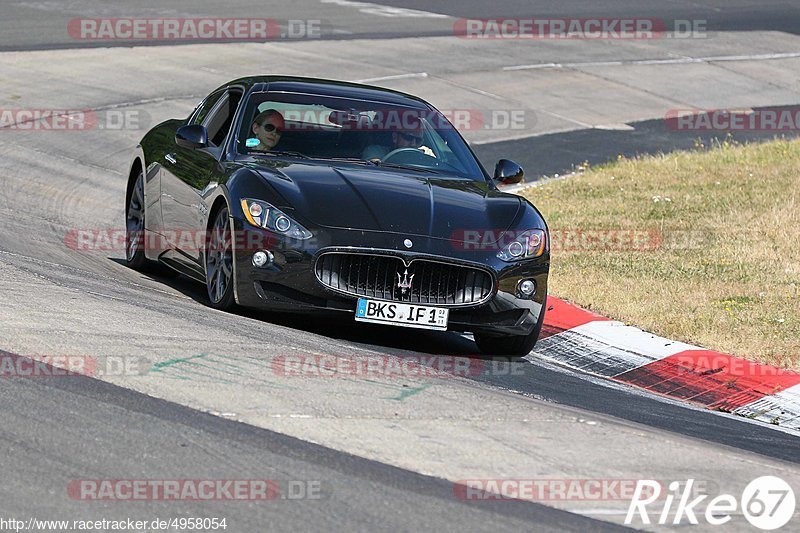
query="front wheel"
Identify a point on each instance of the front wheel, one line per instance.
(219, 262)
(134, 226)
(510, 345)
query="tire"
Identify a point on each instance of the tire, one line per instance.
(510, 345)
(134, 226)
(219, 262)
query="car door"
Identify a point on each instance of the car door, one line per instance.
(188, 175)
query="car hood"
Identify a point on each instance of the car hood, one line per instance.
(408, 203)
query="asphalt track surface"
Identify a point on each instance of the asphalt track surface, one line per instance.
(108, 431)
(60, 429)
(32, 25)
(721, 15)
(568, 150)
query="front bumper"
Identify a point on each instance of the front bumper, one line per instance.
(289, 284)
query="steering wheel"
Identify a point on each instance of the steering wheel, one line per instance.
(405, 155)
(415, 156)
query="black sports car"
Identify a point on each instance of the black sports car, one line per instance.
(306, 195)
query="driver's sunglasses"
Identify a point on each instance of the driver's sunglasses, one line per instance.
(269, 128)
(411, 138)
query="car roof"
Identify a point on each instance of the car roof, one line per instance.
(327, 87)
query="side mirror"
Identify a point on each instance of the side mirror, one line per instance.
(507, 172)
(193, 136)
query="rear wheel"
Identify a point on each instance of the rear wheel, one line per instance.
(219, 262)
(510, 345)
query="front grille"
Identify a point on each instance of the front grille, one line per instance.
(380, 276)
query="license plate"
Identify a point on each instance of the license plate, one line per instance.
(397, 314)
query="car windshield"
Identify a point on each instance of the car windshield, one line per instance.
(364, 132)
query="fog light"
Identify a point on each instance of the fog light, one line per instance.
(262, 259)
(527, 287)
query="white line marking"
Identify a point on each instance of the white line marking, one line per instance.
(385, 11)
(614, 127)
(525, 135)
(674, 61)
(105, 296)
(474, 89)
(534, 66)
(393, 77)
(580, 126)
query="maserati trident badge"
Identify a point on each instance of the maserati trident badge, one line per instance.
(404, 283)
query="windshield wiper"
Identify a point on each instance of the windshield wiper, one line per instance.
(343, 159)
(282, 152)
(405, 167)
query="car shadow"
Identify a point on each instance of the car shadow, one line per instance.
(389, 339)
(386, 339)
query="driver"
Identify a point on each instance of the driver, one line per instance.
(268, 127)
(411, 137)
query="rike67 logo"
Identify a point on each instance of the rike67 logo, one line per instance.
(767, 502)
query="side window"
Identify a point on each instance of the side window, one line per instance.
(202, 110)
(219, 119)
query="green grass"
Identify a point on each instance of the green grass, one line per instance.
(721, 264)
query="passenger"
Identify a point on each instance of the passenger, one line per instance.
(268, 127)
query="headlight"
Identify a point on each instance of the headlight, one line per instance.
(263, 215)
(526, 245)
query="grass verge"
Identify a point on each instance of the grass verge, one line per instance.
(700, 246)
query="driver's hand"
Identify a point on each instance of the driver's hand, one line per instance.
(427, 151)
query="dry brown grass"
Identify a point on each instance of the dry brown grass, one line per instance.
(725, 276)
